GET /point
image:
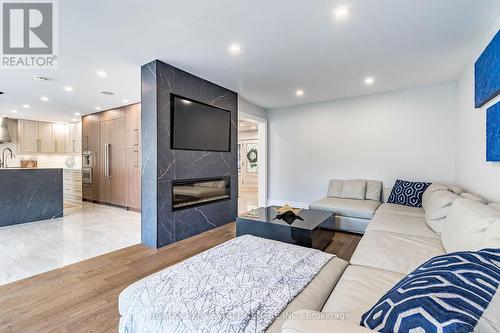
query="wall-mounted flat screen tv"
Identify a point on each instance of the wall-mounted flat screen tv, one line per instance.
(199, 126)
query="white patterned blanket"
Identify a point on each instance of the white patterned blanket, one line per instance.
(239, 286)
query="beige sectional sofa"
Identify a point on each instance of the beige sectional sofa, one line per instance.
(354, 203)
(397, 240)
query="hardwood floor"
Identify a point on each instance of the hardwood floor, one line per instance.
(83, 297)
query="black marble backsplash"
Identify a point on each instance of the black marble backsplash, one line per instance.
(161, 165)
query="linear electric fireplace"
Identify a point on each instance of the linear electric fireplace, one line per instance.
(194, 192)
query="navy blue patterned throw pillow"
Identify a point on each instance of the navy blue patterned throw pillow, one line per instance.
(408, 193)
(448, 294)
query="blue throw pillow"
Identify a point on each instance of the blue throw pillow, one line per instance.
(408, 193)
(448, 294)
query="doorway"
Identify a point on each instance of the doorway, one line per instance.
(251, 164)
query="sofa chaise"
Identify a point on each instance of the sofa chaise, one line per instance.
(354, 203)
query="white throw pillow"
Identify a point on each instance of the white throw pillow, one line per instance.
(373, 190)
(354, 189)
(437, 209)
(429, 191)
(472, 197)
(335, 188)
(471, 226)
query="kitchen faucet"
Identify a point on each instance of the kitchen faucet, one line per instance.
(3, 161)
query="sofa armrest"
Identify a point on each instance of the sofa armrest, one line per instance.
(305, 321)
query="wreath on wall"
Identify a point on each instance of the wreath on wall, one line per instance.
(252, 157)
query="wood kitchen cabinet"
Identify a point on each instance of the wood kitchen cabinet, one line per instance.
(74, 138)
(60, 132)
(90, 144)
(134, 179)
(90, 133)
(36, 136)
(133, 123)
(113, 175)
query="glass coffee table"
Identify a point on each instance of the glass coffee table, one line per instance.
(314, 229)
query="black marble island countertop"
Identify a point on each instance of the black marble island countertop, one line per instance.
(28, 195)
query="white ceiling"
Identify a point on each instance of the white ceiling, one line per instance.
(286, 45)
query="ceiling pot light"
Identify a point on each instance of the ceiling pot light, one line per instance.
(13, 111)
(45, 99)
(26, 106)
(234, 49)
(299, 92)
(68, 88)
(125, 101)
(98, 108)
(102, 73)
(369, 81)
(341, 12)
(76, 113)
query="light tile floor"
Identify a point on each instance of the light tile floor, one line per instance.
(84, 232)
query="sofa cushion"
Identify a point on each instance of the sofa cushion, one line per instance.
(401, 210)
(495, 205)
(401, 224)
(455, 189)
(474, 197)
(395, 252)
(437, 209)
(449, 293)
(373, 190)
(354, 189)
(363, 209)
(471, 226)
(358, 289)
(408, 193)
(314, 296)
(335, 188)
(430, 190)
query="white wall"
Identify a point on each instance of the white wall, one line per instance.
(407, 134)
(472, 171)
(250, 108)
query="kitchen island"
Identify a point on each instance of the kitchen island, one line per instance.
(28, 195)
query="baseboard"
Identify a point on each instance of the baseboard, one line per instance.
(295, 204)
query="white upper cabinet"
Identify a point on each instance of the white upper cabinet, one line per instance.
(42, 137)
(74, 138)
(60, 135)
(46, 137)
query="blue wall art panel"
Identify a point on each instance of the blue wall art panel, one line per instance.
(487, 73)
(493, 133)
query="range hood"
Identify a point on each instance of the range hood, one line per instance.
(4, 130)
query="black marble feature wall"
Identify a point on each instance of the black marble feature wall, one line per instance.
(161, 165)
(28, 195)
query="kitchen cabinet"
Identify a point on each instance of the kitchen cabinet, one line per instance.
(74, 138)
(72, 185)
(134, 179)
(28, 136)
(36, 136)
(90, 133)
(113, 174)
(60, 132)
(90, 145)
(133, 125)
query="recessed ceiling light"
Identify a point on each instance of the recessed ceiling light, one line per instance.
(125, 101)
(68, 88)
(13, 111)
(26, 106)
(102, 73)
(76, 113)
(45, 99)
(235, 48)
(341, 12)
(299, 92)
(97, 107)
(369, 81)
